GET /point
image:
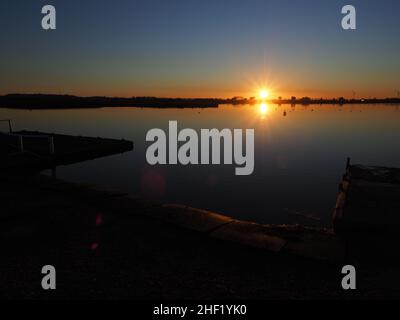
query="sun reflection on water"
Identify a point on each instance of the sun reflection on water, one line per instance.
(263, 109)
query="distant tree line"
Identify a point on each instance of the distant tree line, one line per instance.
(51, 101)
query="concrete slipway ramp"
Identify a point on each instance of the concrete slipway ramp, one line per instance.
(298, 240)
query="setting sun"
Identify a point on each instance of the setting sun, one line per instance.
(263, 94)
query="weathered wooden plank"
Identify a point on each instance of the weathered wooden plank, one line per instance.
(368, 200)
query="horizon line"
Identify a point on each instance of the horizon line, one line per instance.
(233, 98)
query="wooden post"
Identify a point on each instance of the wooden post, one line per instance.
(51, 151)
(10, 129)
(51, 145)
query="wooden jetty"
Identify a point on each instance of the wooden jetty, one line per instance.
(368, 200)
(30, 151)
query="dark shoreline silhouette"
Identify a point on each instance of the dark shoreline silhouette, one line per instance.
(44, 101)
(52, 101)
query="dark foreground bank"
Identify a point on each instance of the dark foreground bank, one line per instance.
(102, 250)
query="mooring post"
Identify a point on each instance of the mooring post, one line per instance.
(21, 143)
(51, 150)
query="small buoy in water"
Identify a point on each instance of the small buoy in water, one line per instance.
(284, 113)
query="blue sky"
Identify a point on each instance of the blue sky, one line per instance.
(200, 48)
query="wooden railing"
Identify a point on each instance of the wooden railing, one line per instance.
(19, 143)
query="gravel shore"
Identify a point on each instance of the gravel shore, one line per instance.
(103, 251)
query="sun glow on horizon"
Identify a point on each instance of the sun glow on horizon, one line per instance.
(263, 94)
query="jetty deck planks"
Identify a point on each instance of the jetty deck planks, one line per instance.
(38, 154)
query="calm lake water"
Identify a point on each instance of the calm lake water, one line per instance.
(300, 155)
